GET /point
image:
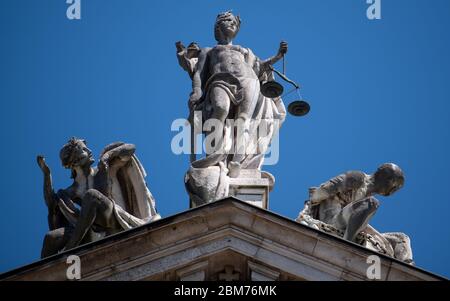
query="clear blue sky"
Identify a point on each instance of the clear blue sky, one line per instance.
(379, 93)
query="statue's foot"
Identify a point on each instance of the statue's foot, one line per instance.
(234, 169)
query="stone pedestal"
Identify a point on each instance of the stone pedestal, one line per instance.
(252, 186)
(206, 185)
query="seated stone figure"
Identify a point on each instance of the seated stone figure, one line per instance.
(102, 200)
(345, 204)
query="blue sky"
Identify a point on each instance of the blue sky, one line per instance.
(378, 90)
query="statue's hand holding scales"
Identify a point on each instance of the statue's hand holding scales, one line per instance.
(283, 49)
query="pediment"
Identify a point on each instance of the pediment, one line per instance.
(228, 238)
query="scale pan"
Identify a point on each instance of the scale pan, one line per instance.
(272, 89)
(299, 108)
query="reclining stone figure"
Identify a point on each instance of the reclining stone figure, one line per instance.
(345, 204)
(101, 201)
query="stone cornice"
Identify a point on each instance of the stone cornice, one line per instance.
(273, 242)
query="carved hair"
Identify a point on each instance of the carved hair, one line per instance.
(68, 150)
(221, 17)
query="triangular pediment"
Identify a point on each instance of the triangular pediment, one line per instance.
(225, 240)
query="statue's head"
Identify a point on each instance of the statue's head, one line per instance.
(227, 26)
(75, 154)
(388, 179)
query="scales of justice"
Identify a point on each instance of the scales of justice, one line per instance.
(230, 83)
(273, 89)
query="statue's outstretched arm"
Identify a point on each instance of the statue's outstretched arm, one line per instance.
(111, 146)
(265, 65)
(55, 219)
(49, 193)
(349, 181)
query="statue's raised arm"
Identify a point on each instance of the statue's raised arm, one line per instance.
(266, 64)
(188, 57)
(49, 193)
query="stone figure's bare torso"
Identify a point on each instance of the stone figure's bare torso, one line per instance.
(82, 184)
(230, 59)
